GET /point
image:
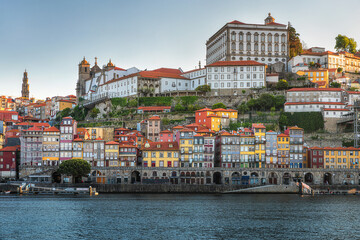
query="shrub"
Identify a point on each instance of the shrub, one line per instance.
(203, 88)
(94, 112)
(218, 105)
(309, 121)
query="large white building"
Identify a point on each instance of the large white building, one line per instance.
(229, 77)
(266, 43)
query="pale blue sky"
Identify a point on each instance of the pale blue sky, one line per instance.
(49, 38)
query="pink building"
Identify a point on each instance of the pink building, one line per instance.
(166, 136)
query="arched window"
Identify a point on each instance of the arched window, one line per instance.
(256, 37)
(263, 37)
(276, 47)
(276, 38)
(269, 37)
(248, 47)
(283, 48)
(233, 46)
(283, 38)
(241, 37)
(256, 47)
(233, 36)
(269, 47)
(241, 47)
(154, 174)
(263, 47)
(248, 37)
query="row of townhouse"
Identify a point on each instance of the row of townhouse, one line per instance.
(334, 157)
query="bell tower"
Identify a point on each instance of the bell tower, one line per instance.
(25, 86)
(84, 73)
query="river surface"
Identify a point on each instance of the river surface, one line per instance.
(179, 216)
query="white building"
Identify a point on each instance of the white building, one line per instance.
(302, 95)
(229, 77)
(312, 106)
(266, 43)
(197, 77)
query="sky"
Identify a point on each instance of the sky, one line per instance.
(50, 38)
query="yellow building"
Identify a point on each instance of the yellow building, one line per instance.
(50, 144)
(112, 154)
(186, 146)
(283, 148)
(66, 104)
(160, 154)
(259, 132)
(247, 148)
(341, 157)
(319, 76)
(214, 122)
(226, 113)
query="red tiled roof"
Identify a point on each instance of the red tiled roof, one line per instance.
(275, 23)
(205, 131)
(168, 70)
(235, 22)
(315, 89)
(225, 134)
(51, 129)
(112, 143)
(178, 127)
(224, 110)
(33, 129)
(10, 149)
(99, 138)
(353, 92)
(166, 131)
(236, 63)
(78, 140)
(258, 125)
(122, 129)
(154, 118)
(283, 135)
(186, 130)
(198, 69)
(204, 110)
(319, 103)
(161, 146)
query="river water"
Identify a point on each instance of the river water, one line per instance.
(179, 216)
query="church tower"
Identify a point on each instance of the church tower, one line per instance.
(84, 73)
(269, 19)
(25, 86)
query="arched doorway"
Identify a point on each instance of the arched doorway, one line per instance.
(254, 178)
(56, 177)
(174, 178)
(309, 178)
(327, 179)
(273, 178)
(217, 178)
(235, 178)
(286, 178)
(135, 177)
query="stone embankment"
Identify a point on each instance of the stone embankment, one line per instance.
(327, 139)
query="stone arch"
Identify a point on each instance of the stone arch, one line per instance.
(327, 178)
(273, 178)
(135, 177)
(286, 178)
(254, 178)
(154, 174)
(217, 178)
(235, 178)
(309, 178)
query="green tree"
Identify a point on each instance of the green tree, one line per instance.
(77, 168)
(218, 105)
(179, 108)
(94, 112)
(165, 121)
(344, 43)
(203, 88)
(279, 101)
(282, 85)
(133, 103)
(294, 42)
(335, 85)
(339, 69)
(283, 121)
(243, 108)
(353, 89)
